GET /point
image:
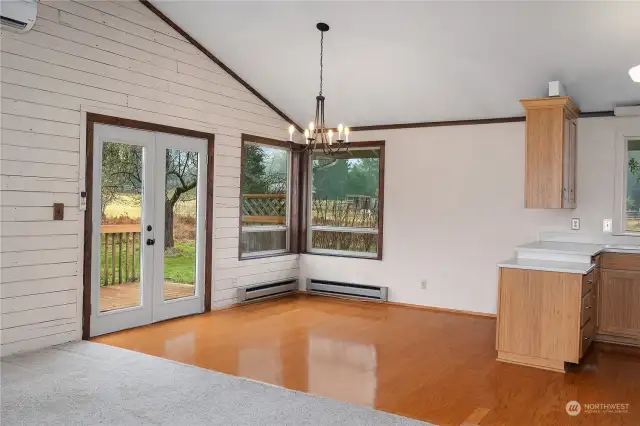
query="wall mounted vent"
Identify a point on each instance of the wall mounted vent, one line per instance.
(18, 15)
(352, 291)
(268, 290)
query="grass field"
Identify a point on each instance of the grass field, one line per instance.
(129, 205)
(633, 225)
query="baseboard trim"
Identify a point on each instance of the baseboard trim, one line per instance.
(412, 306)
(618, 340)
(532, 361)
(445, 310)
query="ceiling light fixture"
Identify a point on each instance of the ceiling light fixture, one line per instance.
(634, 73)
(317, 132)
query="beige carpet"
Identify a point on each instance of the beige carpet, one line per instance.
(83, 383)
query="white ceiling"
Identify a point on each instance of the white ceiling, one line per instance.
(399, 62)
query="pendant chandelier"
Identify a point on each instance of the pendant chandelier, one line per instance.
(317, 132)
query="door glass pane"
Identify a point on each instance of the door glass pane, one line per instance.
(121, 212)
(180, 223)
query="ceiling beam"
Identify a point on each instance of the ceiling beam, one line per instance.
(211, 56)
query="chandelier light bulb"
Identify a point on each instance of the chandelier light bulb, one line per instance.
(330, 136)
(634, 73)
(311, 126)
(291, 129)
(306, 136)
(346, 134)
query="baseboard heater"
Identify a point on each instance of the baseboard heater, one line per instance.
(353, 291)
(268, 290)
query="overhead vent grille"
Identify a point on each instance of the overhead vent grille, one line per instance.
(354, 291)
(267, 290)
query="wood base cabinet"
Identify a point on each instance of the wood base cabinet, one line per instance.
(619, 307)
(545, 319)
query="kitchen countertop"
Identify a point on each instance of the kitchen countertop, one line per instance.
(548, 265)
(559, 256)
(585, 249)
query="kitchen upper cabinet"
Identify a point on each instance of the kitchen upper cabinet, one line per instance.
(619, 313)
(550, 154)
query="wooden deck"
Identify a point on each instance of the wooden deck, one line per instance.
(127, 295)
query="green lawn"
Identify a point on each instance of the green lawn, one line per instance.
(181, 266)
(179, 262)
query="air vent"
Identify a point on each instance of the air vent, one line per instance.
(18, 25)
(267, 290)
(353, 291)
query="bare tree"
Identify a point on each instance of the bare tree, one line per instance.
(122, 175)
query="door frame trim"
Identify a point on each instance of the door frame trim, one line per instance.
(92, 119)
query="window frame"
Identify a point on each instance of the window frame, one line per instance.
(620, 194)
(291, 204)
(307, 228)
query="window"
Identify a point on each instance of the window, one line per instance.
(631, 202)
(265, 182)
(346, 199)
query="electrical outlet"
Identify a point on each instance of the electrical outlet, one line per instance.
(607, 225)
(423, 284)
(575, 224)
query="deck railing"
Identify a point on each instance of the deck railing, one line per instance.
(113, 261)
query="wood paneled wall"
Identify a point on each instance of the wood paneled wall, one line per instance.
(121, 58)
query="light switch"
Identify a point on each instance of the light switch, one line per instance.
(607, 225)
(58, 211)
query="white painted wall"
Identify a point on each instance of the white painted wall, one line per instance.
(116, 58)
(454, 207)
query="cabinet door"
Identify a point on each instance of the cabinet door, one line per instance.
(573, 139)
(566, 161)
(569, 145)
(619, 301)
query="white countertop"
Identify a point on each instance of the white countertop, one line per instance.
(559, 256)
(548, 265)
(585, 249)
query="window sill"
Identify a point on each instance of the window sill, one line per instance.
(264, 256)
(348, 256)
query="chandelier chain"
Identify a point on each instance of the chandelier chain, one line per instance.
(321, 57)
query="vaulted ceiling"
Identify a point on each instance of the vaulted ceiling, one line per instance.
(399, 62)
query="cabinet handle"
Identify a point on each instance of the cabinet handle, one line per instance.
(587, 338)
(587, 307)
(597, 266)
(589, 281)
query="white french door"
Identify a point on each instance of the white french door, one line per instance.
(148, 244)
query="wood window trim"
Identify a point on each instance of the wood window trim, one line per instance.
(304, 181)
(92, 119)
(294, 194)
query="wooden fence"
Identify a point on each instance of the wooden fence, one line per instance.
(264, 209)
(127, 234)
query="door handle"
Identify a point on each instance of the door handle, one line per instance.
(151, 241)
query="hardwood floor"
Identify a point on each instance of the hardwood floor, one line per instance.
(433, 366)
